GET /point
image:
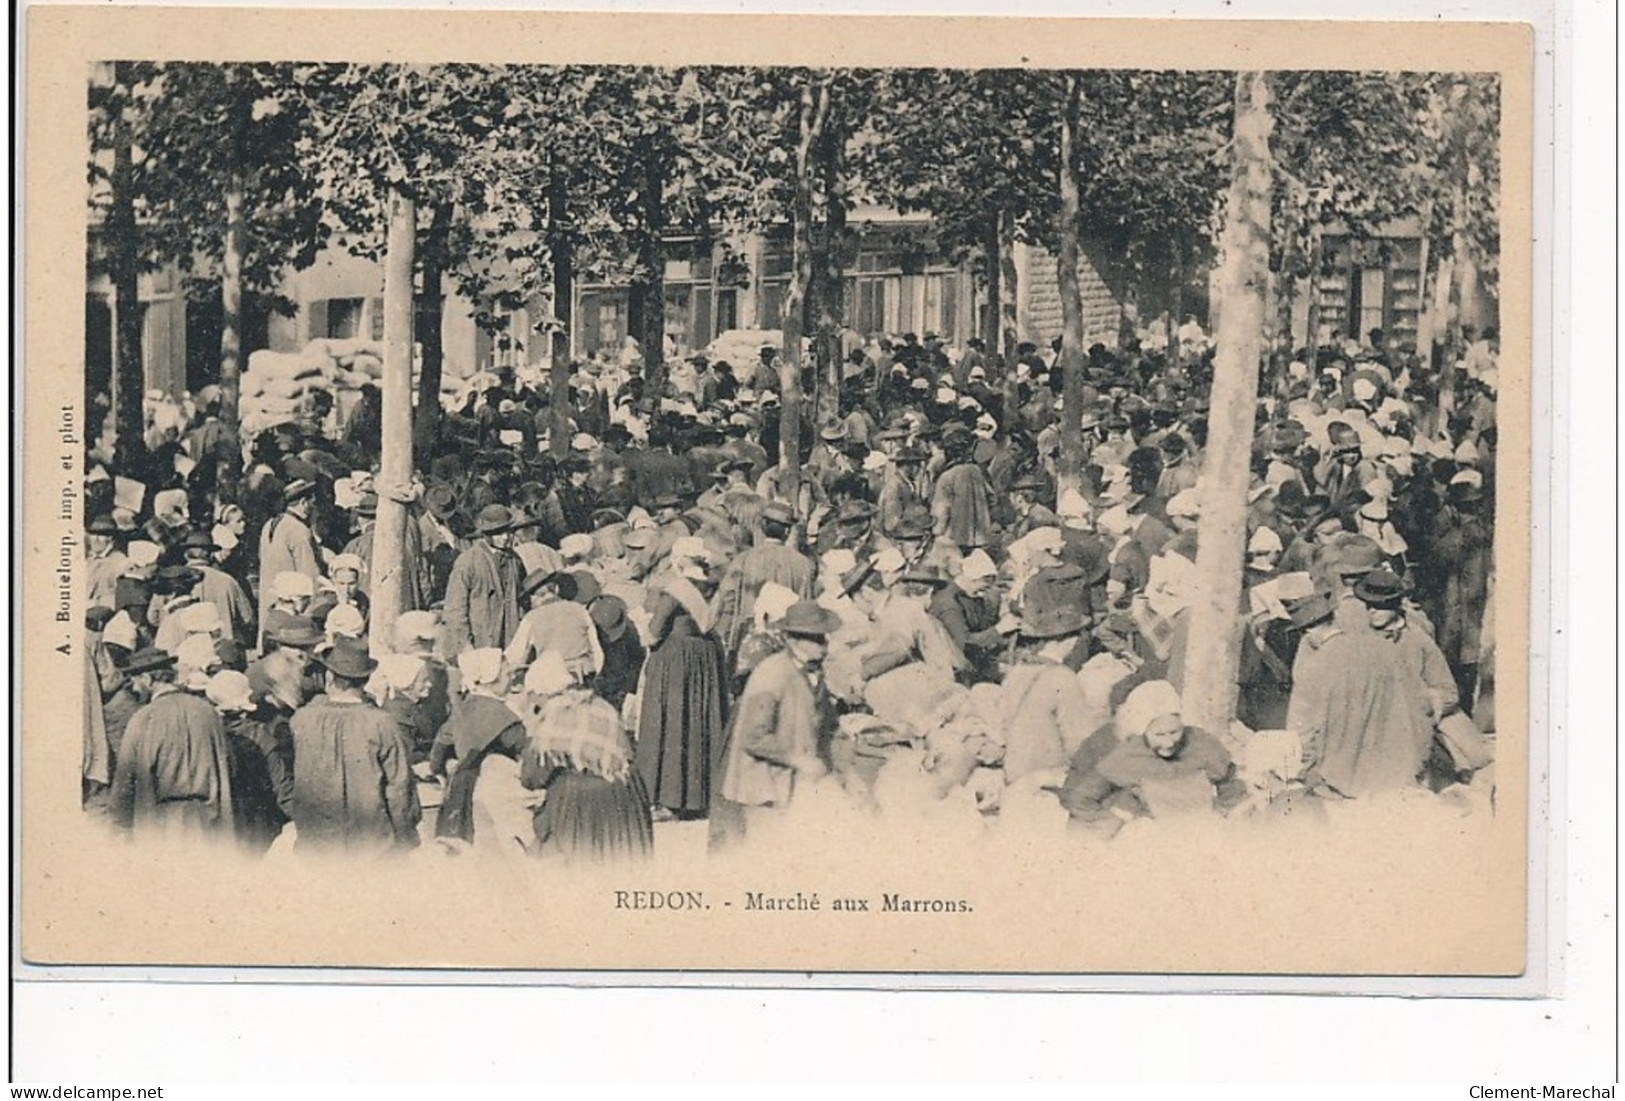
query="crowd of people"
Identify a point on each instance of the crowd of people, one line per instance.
(926, 619)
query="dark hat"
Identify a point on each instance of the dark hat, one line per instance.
(1117, 422)
(1465, 492)
(778, 512)
(911, 527)
(298, 632)
(609, 613)
(604, 517)
(852, 580)
(809, 619)
(586, 587)
(231, 654)
(910, 455)
(349, 658)
(441, 501)
(1088, 553)
(1311, 610)
(735, 464)
(1054, 609)
(297, 489)
(175, 579)
(102, 524)
(668, 500)
(855, 512)
(328, 465)
(198, 540)
(893, 433)
(1381, 588)
(1343, 437)
(575, 463)
(1173, 444)
(96, 617)
(925, 574)
(1293, 502)
(1356, 555)
(148, 660)
(493, 519)
(833, 433)
(1032, 480)
(535, 579)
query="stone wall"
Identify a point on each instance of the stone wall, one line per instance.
(1039, 311)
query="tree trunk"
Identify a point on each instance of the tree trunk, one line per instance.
(814, 112)
(652, 261)
(428, 330)
(990, 277)
(1176, 309)
(1069, 474)
(1213, 658)
(562, 257)
(1008, 324)
(129, 375)
(1317, 260)
(830, 297)
(236, 246)
(388, 586)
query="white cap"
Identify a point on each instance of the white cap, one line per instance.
(1264, 541)
(548, 675)
(201, 618)
(583, 441)
(346, 620)
(977, 565)
(480, 665)
(576, 545)
(292, 585)
(345, 562)
(229, 690)
(414, 626)
(196, 653)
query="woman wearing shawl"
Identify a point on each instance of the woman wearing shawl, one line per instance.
(481, 724)
(579, 754)
(681, 724)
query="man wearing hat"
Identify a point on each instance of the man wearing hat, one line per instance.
(172, 779)
(780, 739)
(623, 650)
(1043, 697)
(1343, 472)
(482, 592)
(353, 787)
(287, 544)
(1353, 707)
(103, 560)
(851, 526)
(217, 587)
(771, 559)
(961, 500)
(899, 492)
(555, 625)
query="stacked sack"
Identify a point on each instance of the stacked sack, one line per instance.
(277, 385)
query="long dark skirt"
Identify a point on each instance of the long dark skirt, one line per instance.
(681, 723)
(587, 818)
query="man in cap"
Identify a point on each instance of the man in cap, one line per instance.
(1043, 698)
(555, 625)
(771, 559)
(287, 544)
(961, 500)
(172, 781)
(104, 562)
(482, 592)
(1352, 708)
(352, 777)
(217, 587)
(780, 739)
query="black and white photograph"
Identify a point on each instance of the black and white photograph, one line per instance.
(778, 515)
